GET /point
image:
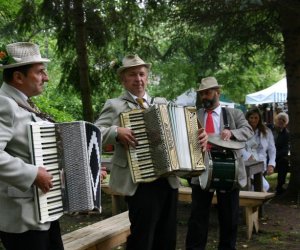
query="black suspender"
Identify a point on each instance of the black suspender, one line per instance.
(225, 120)
(152, 100)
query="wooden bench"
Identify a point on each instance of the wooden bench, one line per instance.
(248, 199)
(105, 234)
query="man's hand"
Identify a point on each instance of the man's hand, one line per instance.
(43, 180)
(270, 169)
(226, 135)
(202, 137)
(103, 174)
(251, 158)
(126, 137)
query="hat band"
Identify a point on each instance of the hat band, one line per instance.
(28, 59)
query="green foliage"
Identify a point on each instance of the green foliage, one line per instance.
(184, 41)
(61, 104)
(238, 42)
(174, 76)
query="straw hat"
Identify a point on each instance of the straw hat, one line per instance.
(232, 144)
(22, 53)
(132, 61)
(208, 83)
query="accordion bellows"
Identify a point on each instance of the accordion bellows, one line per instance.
(71, 153)
(168, 142)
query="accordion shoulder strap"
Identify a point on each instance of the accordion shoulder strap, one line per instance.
(158, 100)
(43, 116)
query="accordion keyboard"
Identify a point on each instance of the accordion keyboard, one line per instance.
(141, 161)
(168, 143)
(45, 154)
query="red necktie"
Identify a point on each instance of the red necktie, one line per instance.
(209, 127)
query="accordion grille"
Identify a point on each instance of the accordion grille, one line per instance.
(192, 130)
(80, 181)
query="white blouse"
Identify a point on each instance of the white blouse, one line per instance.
(260, 147)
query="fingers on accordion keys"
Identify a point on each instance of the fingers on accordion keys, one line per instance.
(132, 144)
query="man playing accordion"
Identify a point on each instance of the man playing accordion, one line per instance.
(24, 76)
(152, 206)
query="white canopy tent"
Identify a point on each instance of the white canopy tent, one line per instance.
(188, 98)
(273, 94)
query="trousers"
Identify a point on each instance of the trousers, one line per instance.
(33, 239)
(198, 224)
(152, 214)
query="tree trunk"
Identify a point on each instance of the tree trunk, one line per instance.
(289, 11)
(82, 59)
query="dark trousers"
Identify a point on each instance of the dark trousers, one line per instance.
(33, 239)
(152, 213)
(228, 213)
(282, 169)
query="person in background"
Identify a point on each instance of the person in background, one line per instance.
(152, 206)
(281, 136)
(261, 146)
(24, 76)
(238, 129)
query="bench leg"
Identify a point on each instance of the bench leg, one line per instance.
(114, 204)
(255, 218)
(251, 220)
(118, 204)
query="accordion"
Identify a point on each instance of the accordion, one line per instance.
(71, 153)
(168, 144)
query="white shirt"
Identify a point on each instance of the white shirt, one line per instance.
(145, 97)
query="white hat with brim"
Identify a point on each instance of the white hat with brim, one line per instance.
(23, 53)
(132, 61)
(208, 83)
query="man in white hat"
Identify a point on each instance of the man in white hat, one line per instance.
(226, 128)
(152, 206)
(24, 76)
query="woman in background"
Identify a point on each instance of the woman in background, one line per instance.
(261, 146)
(281, 136)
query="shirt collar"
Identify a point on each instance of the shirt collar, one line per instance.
(145, 97)
(217, 110)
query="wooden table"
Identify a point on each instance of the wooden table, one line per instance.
(255, 169)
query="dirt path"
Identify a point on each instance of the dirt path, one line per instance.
(279, 228)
